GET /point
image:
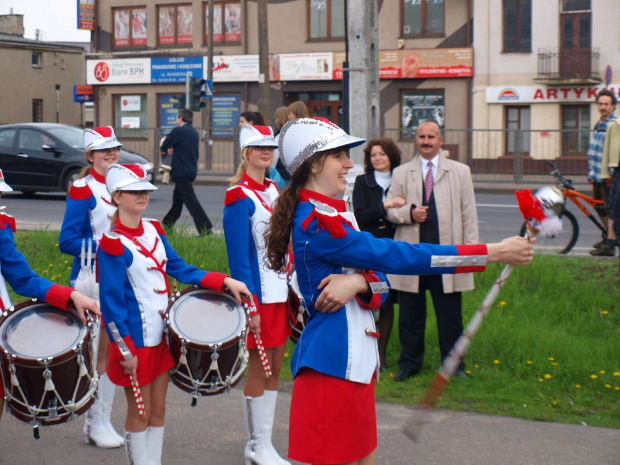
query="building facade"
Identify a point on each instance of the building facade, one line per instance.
(142, 51)
(539, 66)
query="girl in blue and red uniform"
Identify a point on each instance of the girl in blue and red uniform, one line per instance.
(87, 217)
(24, 281)
(336, 359)
(133, 262)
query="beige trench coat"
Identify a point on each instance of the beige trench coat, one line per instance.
(456, 211)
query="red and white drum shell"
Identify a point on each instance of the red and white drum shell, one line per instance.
(206, 335)
(297, 313)
(47, 363)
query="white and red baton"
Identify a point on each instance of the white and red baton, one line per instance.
(250, 309)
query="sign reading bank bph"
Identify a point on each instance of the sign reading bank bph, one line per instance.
(133, 71)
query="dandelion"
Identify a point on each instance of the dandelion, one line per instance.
(529, 362)
(541, 380)
(555, 364)
(604, 312)
(617, 388)
(202, 266)
(547, 376)
(608, 386)
(496, 362)
(66, 261)
(551, 359)
(602, 372)
(593, 377)
(468, 372)
(555, 402)
(391, 375)
(616, 373)
(56, 245)
(502, 304)
(476, 366)
(285, 354)
(51, 265)
(578, 386)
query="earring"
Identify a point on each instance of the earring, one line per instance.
(313, 171)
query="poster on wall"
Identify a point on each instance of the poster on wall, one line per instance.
(234, 68)
(165, 21)
(121, 28)
(301, 66)
(138, 26)
(130, 122)
(184, 24)
(225, 116)
(86, 14)
(217, 24)
(130, 103)
(167, 114)
(418, 106)
(233, 22)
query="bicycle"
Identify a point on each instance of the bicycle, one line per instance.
(566, 240)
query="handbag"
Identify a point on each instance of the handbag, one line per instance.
(85, 282)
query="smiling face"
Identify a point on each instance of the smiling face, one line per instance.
(101, 159)
(259, 157)
(329, 174)
(379, 160)
(428, 140)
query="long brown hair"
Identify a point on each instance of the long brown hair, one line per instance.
(278, 231)
(114, 216)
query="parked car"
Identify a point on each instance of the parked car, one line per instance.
(48, 157)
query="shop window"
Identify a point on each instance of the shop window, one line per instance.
(130, 115)
(226, 22)
(575, 130)
(517, 125)
(37, 110)
(517, 25)
(422, 18)
(129, 27)
(326, 19)
(37, 60)
(174, 25)
(418, 106)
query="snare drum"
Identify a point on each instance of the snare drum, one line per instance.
(47, 363)
(297, 312)
(206, 335)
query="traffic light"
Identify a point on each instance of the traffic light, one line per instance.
(197, 93)
(181, 99)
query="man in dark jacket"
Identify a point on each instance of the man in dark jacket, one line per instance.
(184, 141)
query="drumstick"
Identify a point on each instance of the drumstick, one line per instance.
(126, 353)
(250, 308)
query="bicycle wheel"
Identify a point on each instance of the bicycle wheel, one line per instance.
(564, 241)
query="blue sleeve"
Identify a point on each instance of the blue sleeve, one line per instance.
(76, 226)
(238, 237)
(178, 269)
(17, 272)
(112, 272)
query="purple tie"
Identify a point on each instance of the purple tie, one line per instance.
(428, 182)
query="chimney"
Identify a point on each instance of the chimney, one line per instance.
(12, 24)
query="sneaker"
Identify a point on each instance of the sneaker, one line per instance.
(598, 244)
(604, 250)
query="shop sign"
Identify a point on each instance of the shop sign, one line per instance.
(83, 93)
(225, 115)
(234, 68)
(86, 14)
(173, 70)
(545, 94)
(130, 103)
(301, 67)
(129, 71)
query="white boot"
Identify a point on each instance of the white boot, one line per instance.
(256, 451)
(270, 412)
(136, 448)
(155, 444)
(106, 392)
(94, 429)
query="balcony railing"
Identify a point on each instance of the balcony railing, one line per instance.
(569, 66)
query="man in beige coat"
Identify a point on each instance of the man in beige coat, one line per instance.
(447, 215)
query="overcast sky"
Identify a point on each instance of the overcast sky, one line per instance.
(56, 18)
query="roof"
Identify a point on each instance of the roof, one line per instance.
(20, 41)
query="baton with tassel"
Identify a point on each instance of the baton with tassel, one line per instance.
(250, 308)
(126, 353)
(540, 213)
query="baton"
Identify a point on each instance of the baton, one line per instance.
(126, 353)
(250, 308)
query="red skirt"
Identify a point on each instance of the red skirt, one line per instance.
(332, 420)
(274, 326)
(152, 362)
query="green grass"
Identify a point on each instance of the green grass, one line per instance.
(555, 326)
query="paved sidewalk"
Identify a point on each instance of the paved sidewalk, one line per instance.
(213, 433)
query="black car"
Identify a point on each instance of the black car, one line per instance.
(37, 157)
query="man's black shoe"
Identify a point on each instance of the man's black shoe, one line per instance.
(402, 375)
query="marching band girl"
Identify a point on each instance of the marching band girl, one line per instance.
(247, 210)
(24, 281)
(87, 217)
(335, 361)
(133, 262)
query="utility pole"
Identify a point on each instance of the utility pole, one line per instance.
(208, 110)
(264, 102)
(363, 44)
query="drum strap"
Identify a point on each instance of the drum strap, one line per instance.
(148, 253)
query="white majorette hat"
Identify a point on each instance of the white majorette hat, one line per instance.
(100, 138)
(303, 137)
(4, 187)
(127, 178)
(256, 136)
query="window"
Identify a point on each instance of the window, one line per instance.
(37, 60)
(517, 129)
(129, 27)
(6, 137)
(422, 18)
(421, 105)
(231, 12)
(174, 25)
(326, 19)
(517, 25)
(576, 5)
(30, 139)
(37, 111)
(575, 130)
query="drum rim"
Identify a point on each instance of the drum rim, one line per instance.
(21, 359)
(186, 293)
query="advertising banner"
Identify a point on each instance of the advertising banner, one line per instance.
(130, 103)
(171, 70)
(234, 68)
(225, 116)
(167, 114)
(544, 94)
(138, 26)
(86, 14)
(83, 94)
(130, 122)
(301, 66)
(418, 106)
(118, 71)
